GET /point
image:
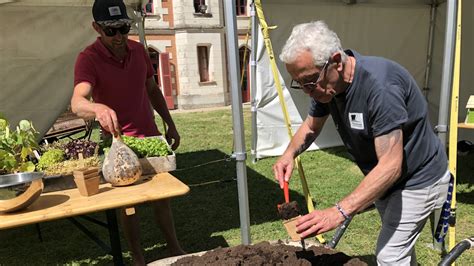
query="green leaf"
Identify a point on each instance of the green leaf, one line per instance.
(3, 124)
(27, 167)
(16, 145)
(24, 125)
(25, 151)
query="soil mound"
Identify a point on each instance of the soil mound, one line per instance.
(265, 253)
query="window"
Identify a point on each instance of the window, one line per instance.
(155, 61)
(203, 63)
(241, 7)
(149, 7)
(200, 6)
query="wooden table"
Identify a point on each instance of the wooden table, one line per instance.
(69, 203)
(464, 125)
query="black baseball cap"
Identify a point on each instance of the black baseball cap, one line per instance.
(110, 11)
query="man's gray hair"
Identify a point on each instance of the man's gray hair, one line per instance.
(314, 37)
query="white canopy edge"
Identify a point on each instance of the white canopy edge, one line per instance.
(398, 31)
(39, 43)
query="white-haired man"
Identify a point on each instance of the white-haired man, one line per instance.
(381, 117)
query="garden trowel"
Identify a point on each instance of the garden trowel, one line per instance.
(289, 211)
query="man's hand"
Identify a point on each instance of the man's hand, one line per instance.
(107, 118)
(283, 168)
(318, 222)
(172, 137)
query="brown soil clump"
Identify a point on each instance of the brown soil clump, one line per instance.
(265, 253)
(288, 210)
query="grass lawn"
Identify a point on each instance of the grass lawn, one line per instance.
(208, 216)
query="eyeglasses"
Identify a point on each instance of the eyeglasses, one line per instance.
(110, 32)
(309, 85)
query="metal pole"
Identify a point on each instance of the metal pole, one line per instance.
(447, 77)
(141, 27)
(253, 81)
(237, 118)
(429, 55)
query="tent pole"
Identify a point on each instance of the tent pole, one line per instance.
(429, 55)
(141, 27)
(445, 95)
(253, 81)
(453, 124)
(447, 75)
(237, 118)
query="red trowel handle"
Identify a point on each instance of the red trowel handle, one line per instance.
(286, 192)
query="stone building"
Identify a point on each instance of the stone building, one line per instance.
(187, 44)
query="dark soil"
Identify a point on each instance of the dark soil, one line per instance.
(288, 210)
(265, 253)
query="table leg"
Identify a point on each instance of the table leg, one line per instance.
(114, 237)
(38, 230)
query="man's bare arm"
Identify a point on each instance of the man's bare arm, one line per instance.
(84, 108)
(389, 149)
(158, 101)
(159, 104)
(80, 104)
(306, 135)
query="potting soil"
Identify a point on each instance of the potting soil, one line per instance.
(265, 253)
(288, 210)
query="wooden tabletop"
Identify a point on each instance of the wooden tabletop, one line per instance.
(68, 203)
(464, 125)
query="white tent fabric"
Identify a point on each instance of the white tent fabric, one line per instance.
(270, 127)
(39, 43)
(40, 39)
(272, 133)
(398, 30)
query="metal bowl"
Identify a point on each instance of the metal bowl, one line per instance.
(19, 190)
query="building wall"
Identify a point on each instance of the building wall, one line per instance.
(193, 93)
(161, 16)
(175, 27)
(186, 17)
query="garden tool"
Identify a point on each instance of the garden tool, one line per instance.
(287, 211)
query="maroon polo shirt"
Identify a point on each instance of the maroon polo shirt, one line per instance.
(121, 85)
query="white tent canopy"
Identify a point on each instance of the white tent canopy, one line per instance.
(39, 43)
(394, 29)
(40, 40)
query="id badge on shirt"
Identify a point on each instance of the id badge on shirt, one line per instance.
(356, 120)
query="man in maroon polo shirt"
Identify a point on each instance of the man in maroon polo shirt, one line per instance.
(118, 74)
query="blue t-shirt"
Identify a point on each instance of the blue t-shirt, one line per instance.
(384, 96)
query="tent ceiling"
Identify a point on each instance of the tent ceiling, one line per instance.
(131, 3)
(385, 2)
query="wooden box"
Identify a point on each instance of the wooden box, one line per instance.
(290, 226)
(156, 165)
(87, 181)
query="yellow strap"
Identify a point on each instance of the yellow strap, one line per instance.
(453, 123)
(268, 45)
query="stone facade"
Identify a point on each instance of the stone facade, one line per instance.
(178, 28)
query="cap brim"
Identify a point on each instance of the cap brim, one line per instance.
(115, 22)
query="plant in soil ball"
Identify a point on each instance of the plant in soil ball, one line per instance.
(16, 146)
